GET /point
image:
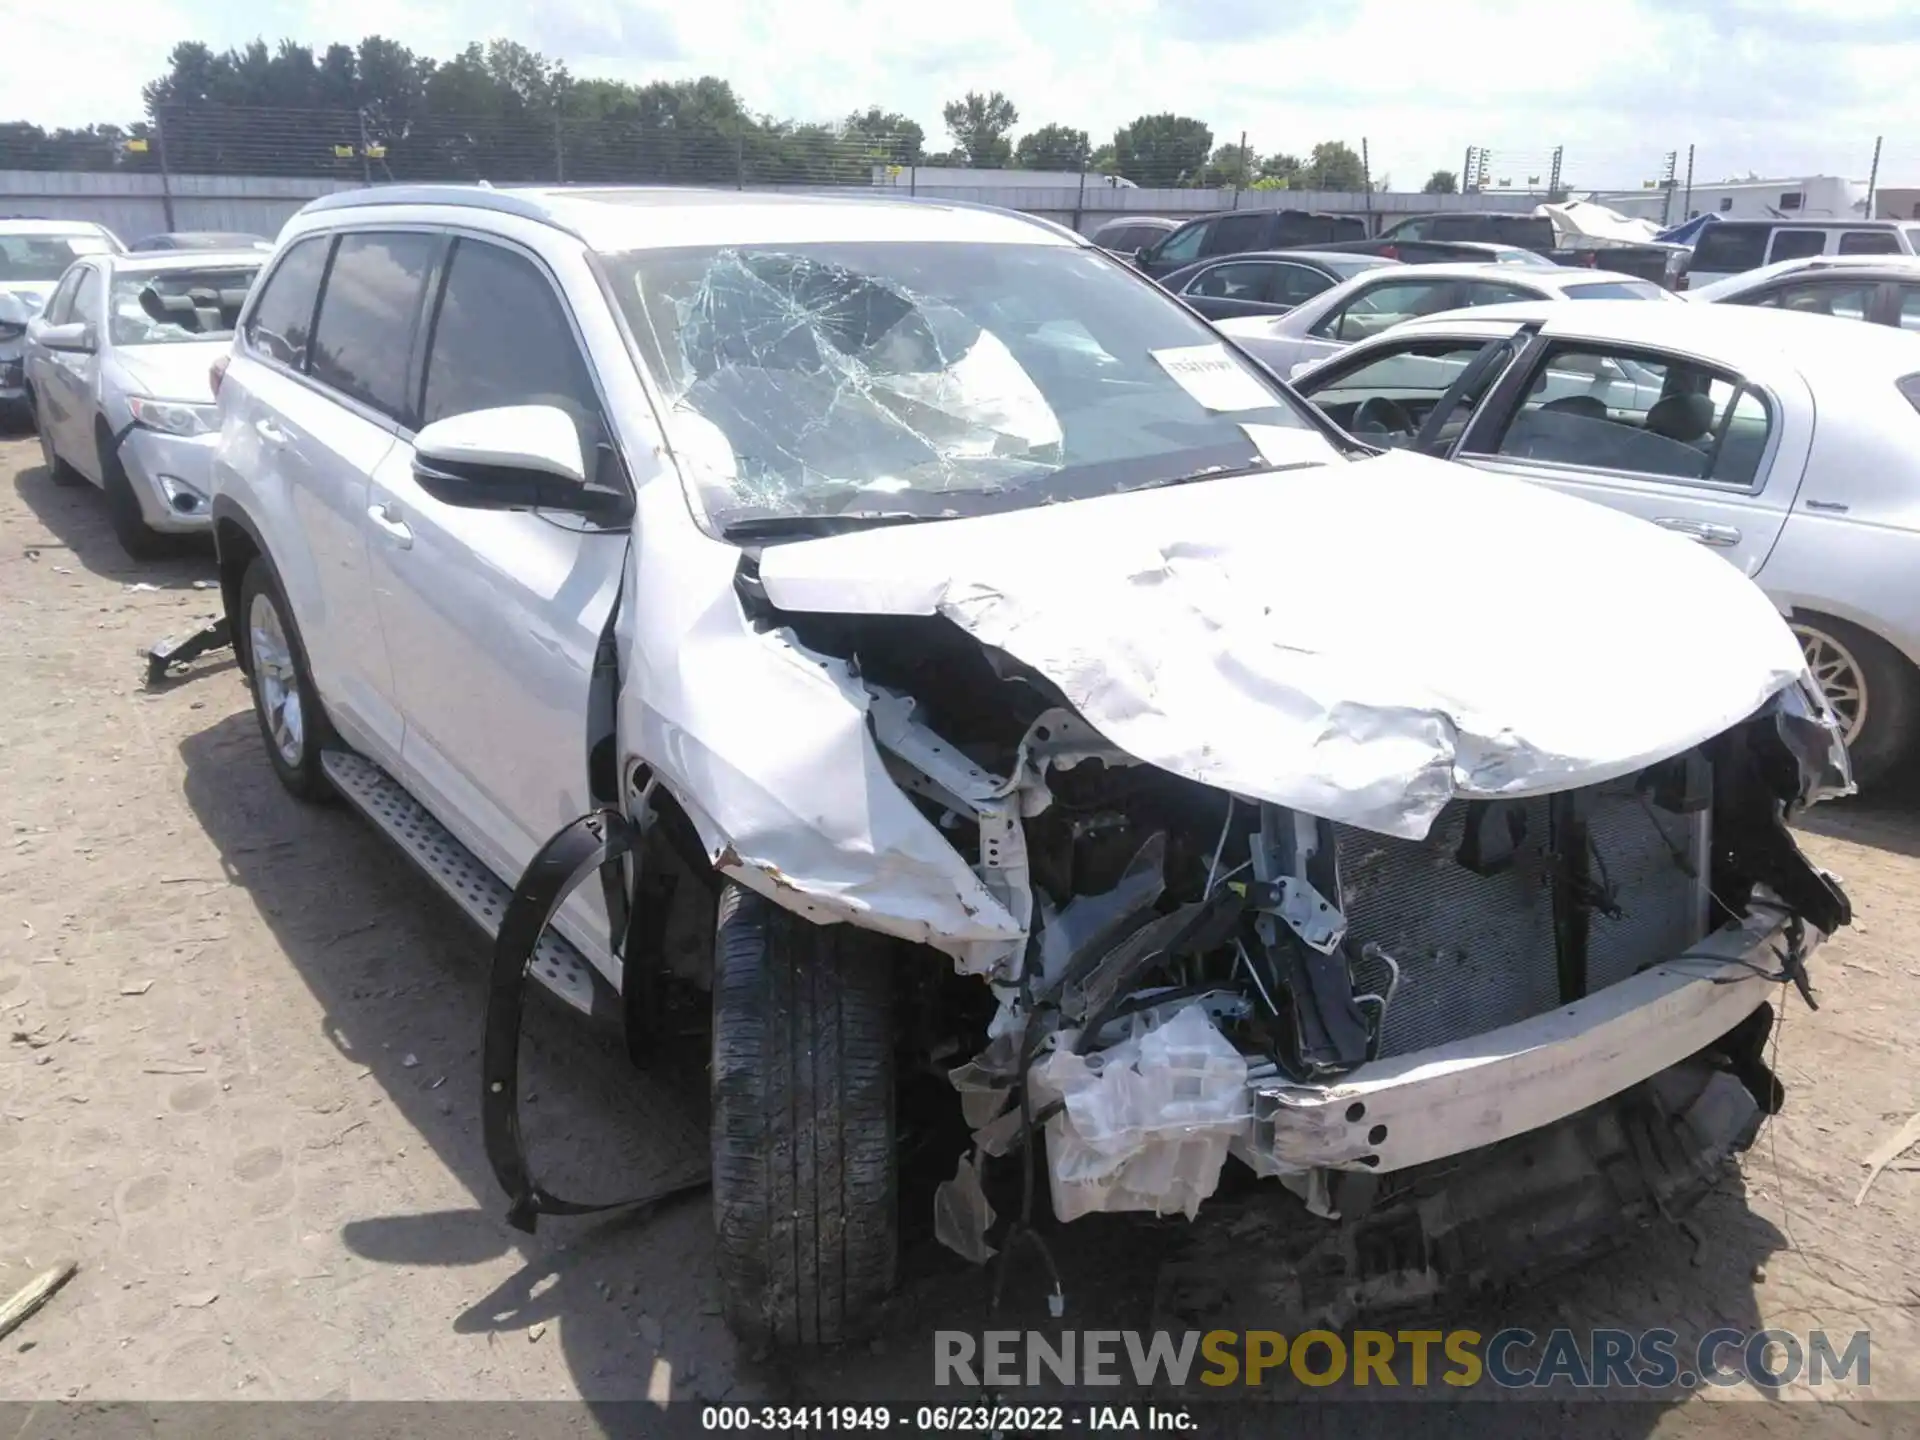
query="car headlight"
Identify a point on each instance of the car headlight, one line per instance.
(174, 417)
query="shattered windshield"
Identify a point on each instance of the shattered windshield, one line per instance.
(906, 379)
(162, 307)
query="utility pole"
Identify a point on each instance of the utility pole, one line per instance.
(1873, 175)
(1666, 184)
(166, 170)
(1553, 176)
(1466, 170)
(1686, 202)
(1366, 179)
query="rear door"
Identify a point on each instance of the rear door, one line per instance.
(494, 617)
(309, 410)
(1700, 448)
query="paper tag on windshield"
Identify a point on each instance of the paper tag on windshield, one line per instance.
(1211, 375)
(1281, 445)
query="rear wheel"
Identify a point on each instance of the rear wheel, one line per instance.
(291, 720)
(804, 1167)
(58, 470)
(1872, 687)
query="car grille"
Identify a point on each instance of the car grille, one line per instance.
(1478, 951)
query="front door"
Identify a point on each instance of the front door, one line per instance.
(493, 617)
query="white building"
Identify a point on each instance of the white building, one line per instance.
(1811, 197)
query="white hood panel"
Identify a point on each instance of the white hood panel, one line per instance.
(1361, 641)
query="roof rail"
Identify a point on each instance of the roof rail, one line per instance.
(504, 202)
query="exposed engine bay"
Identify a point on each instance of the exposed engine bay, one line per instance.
(1194, 962)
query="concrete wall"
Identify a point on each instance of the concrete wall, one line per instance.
(136, 205)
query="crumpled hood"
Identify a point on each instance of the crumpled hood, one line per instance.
(21, 300)
(1362, 641)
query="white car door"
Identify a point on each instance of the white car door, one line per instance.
(1710, 452)
(70, 378)
(494, 617)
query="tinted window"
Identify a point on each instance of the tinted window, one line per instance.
(1409, 230)
(1625, 412)
(1615, 290)
(1294, 283)
(501, 339)
(1816, 297)
(1384, 305)
(1247, 280)
(1797, 244)
(1234, 233)
(281, 322)
(1910, 307)
(1730, 246)
(1869, 242)
(1184, 244)
(363, 340)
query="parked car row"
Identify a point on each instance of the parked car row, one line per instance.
(949, 654)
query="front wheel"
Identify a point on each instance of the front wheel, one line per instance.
(804, 1169)
(1872, 687)
(291, 720)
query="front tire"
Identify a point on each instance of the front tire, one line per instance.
(129, 523)
(284, 701)
(804, 1163)
(1872, 687)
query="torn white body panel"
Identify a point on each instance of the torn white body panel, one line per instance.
(768, 749)
(1361, 641)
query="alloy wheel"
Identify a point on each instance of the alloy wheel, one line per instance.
(1840, 675)
(276, 681)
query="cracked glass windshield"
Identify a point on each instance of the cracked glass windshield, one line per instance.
(821, 384)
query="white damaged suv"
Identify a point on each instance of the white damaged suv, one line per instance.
(923, 634)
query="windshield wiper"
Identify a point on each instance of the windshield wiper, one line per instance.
(1224, 472)
(795, 527)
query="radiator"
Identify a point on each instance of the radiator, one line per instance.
(1477, 951)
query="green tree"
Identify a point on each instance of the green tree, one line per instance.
(1280, 171)
(1053, 147)
(890, 138)
(1441, 182)
(979, 125)
(1333, 166)
(1163, 150)
(1232, 166)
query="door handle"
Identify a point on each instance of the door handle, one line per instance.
(387, 517)
(270, 432)
(1704, 531)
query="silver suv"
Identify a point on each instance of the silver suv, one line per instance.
(932, 641)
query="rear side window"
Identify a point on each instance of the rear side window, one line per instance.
(1869, 242)
(1832, 297)
(1594, 409)
(1382, 306)
(1910, 308)
(1729, 247)
(281, 323)
(1616, 290)
(363, 340)
(1797, 244)
(1235, 233)
(501, 338)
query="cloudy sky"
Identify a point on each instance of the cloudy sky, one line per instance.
(1777, 87)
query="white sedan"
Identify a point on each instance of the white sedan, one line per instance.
(1702, 419)
(1880, 289)
(1368, 304)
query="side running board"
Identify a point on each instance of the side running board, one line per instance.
(474, 888)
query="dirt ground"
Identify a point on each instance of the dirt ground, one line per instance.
(241, 1086)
